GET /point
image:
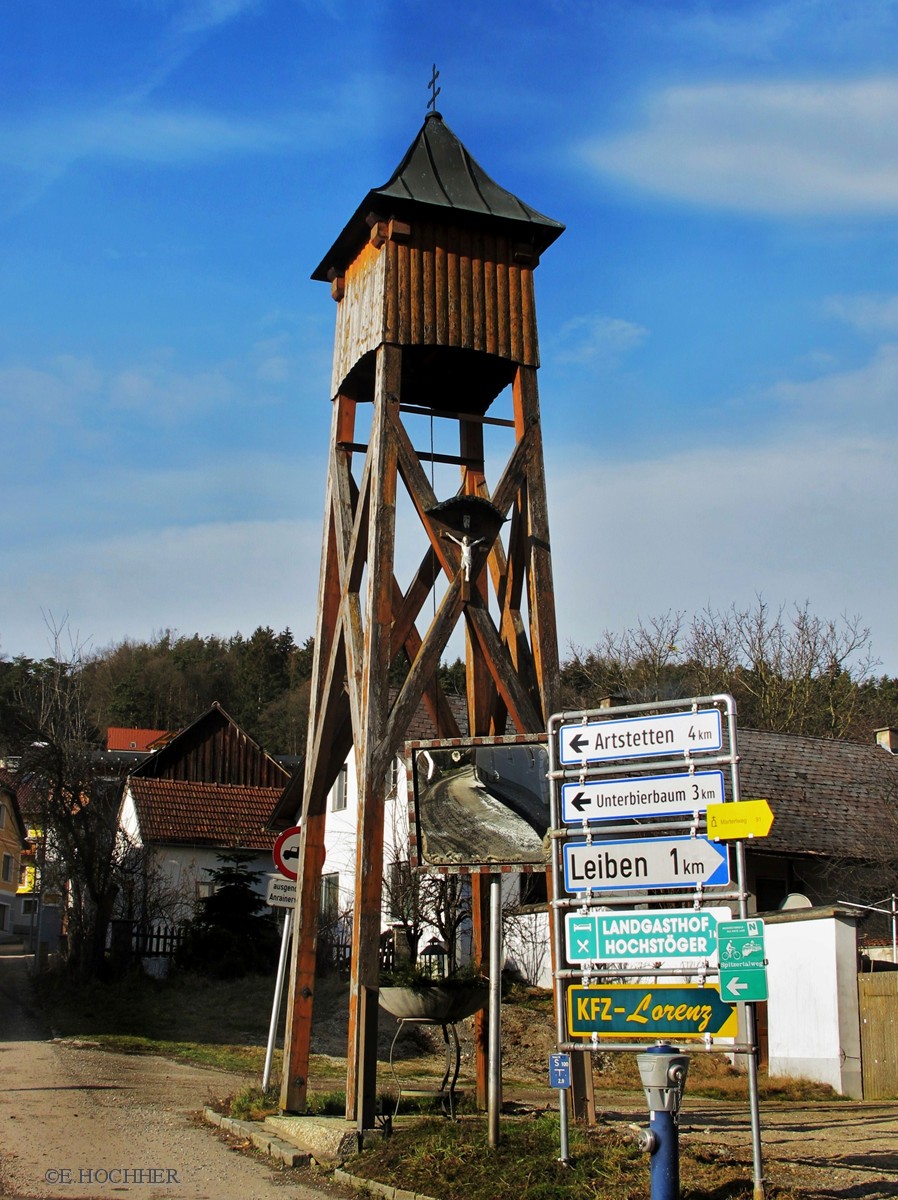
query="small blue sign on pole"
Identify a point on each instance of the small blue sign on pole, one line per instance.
(559, 1070)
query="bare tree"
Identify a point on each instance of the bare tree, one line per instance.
(790, 671)
(85, 847)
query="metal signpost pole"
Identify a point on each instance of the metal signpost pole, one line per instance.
(276, 1004)
(557, 936)
(494, 1094)
(751, 1025)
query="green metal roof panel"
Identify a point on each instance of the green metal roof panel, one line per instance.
(437, 172)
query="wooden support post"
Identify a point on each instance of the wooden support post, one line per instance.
(373, 754)
(297, 1039)
(480, 951)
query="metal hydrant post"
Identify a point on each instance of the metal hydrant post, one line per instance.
(663, 1072)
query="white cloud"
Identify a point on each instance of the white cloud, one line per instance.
(825, 148)
(865, 392)
(52, 142)
(597, 339)
(49, 395)
(159, 392)
(197, 16)
(214, 578)
(802, 519)
(868, 313)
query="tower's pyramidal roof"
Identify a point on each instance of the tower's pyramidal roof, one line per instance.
(438, 174)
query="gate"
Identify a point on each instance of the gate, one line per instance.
(878, 1004)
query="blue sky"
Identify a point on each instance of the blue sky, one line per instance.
(718, 324)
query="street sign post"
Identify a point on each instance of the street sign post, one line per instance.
(643, 796)
(626, 1011)
(744, 819)
(661, 734)
(743, 969)
(644, 863)
(643, 936)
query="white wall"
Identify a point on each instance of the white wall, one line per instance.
(179, 870)
(812, 1011)
(340, 841)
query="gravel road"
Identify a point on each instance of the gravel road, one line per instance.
(80, 1124)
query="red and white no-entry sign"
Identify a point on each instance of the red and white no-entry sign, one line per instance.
(286, 852)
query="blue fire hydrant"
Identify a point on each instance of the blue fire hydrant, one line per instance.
(663, 1070)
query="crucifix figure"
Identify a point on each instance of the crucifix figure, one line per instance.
(467, 544)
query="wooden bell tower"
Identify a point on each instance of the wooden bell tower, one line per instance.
(433, 279)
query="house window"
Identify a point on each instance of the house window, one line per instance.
(2, 816)
(7, 868)
(330, 898)
(338, 792)
(4, 918)
(29, 906)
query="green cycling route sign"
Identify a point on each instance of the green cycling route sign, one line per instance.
(627, 1011)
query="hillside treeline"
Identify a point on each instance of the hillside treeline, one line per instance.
(789, 670)
(169, 680)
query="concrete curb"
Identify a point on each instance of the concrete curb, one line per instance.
(274, 1147)
(291, 1156)
(377, 1189)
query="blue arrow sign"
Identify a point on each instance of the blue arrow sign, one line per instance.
(644, 863)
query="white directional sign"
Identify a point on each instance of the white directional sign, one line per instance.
(646, 796)
(641, 737)
(281, 892)
(641, 863)
(643, 935)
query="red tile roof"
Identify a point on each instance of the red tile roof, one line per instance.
(207, 814)
(118, 738)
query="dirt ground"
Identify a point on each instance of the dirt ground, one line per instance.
(74, 1120)
(71, 1115)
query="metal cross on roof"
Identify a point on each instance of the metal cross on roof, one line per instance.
(432, 102)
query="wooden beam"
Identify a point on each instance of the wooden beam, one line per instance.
(423, 669)
(543, 628)
(371, 763)
(520, 707)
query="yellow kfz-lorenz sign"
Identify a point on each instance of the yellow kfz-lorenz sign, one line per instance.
(624, 1011)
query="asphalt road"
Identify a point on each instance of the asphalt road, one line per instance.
(79, 1124)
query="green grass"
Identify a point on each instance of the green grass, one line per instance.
(224, 1024)
(603, 1166)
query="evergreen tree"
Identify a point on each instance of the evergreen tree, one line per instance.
(234, 931)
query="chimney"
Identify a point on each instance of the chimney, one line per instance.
(887, 738)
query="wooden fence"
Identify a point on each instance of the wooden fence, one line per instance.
(878, 1003)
